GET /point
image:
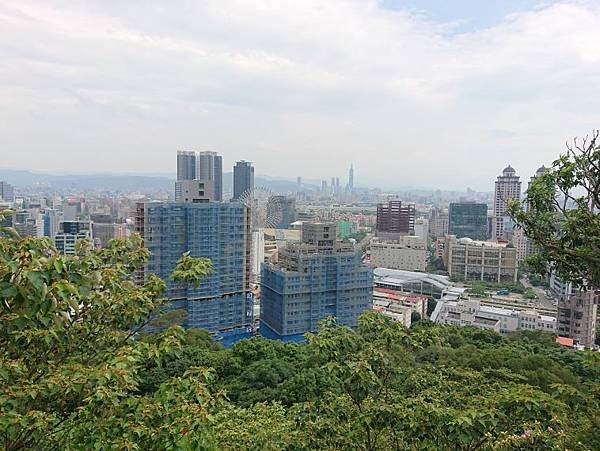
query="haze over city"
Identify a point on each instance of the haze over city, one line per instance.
(412, 93)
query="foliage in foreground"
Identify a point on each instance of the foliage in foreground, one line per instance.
(75, 373)
(561, 214)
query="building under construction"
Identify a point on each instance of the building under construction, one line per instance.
(223, 302)
(313, 279)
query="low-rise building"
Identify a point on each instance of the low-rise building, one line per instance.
(416, 303)
(431, 285)
(470, 312)
(395, 311)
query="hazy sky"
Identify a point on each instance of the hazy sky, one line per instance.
(432, 93)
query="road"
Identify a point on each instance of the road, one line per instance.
(542, 299)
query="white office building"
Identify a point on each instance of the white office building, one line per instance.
(408, 253)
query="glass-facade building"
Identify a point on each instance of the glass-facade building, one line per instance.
(223, 302)
(468, 219)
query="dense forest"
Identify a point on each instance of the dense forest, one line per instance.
(78, 372)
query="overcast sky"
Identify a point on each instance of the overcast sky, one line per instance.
(433, 93)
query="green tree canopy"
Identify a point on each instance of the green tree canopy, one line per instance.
(561, 214)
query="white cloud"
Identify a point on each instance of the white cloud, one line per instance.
(297, 87)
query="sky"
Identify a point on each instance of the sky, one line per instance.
(431, 93)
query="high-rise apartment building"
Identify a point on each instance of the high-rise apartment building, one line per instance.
(223, 302)
(394, 219)
(186, 165)
(577, 314)
(507, 188)
(243, 178)
(7, 192)
(468, 219)
(467, 259)
(438, 223)
(314, 279)
(209, 166)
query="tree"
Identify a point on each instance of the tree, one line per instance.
(415, 317)
(69, 357)
(561, 214)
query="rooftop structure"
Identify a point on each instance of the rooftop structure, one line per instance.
(415, 282)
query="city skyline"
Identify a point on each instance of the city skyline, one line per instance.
(260, 86)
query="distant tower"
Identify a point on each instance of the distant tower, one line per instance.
(186, 165)
(351, 178)
(243, 178)
(299, 183)
(508, 187)
(332, 185)
(209, 167)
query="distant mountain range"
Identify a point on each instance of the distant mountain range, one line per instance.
(127, 182)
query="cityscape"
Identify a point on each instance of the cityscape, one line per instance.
(300, 225)
(283, 261)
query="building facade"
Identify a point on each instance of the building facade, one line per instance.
(222, 303)
(468, 219)
(194, 191)
(186, 165)
(467, 259)
(209, 167)
(470, 312)
(577, 315)
(243, 178)
(70, 233)
(408, 253)
(507, 188)
(438, 224)
(7, 192)
(313, 279)
(394, 219)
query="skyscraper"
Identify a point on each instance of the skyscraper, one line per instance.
(324, 188)
(299, 184)
(209, 166)
(223, 302)
(186, 165)
(7, 192)
(394, 219)
(243, 178)
(313, 279)
(507, 188)
(351, 178)
(468, 219)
